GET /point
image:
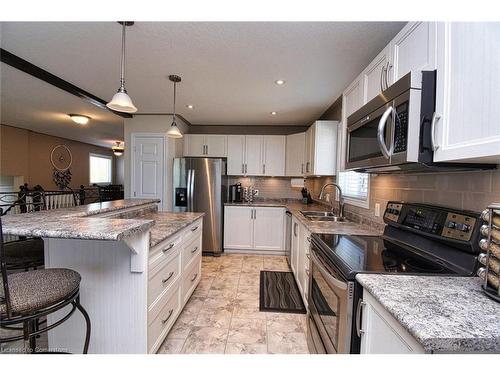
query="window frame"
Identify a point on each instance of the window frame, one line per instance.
(363, 203)
(102, 156)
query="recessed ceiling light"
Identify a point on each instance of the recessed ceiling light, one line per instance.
(279, 82)
(79, 119)
(190, 106)
(274, 113)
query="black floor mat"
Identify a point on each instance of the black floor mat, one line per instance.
(279, 293)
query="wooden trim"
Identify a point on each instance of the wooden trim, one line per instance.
(37, 72)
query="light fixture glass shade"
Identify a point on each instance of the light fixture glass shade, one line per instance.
(121, 102)
(174, 131)
(79, 119)
(118, 149)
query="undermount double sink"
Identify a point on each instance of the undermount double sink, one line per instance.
(322, 216)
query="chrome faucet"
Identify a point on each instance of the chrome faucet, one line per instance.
(341, 198)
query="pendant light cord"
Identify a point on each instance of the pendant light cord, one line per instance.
(175, 85)
(122, 78)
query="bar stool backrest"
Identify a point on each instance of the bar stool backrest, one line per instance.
(5, 299)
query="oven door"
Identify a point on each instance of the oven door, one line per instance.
(330, 306)
(369, 140)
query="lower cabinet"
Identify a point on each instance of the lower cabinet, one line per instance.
(174, 272)
(255, 229)
(300, 256)
(381, 333)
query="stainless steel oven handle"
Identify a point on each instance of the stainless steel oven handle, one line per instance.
(380, 132)
(329, 278)
(359, 331)
(435, 118)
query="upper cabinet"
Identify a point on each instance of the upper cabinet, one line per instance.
(375, 75)
(466, 125)
(353, 98)
(414, 48)
(256, 155)
(321, 148)
(295, 154)
(205, 145)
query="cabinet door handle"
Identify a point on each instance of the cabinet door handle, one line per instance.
(194, 277)
(302, 168)
(435, 118)
(295, 229)
(168, 277)
(263, 168)
(242, 168)
(206, 149)
(359, 331)
(194, 250)
(308, 239)
(389, 67)
(170, 312)
(194, 229)
(382, 78)
(170, 245)
(307, 167)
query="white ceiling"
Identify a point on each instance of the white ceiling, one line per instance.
(228, 70)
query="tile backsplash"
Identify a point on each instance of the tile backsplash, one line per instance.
(269, 187)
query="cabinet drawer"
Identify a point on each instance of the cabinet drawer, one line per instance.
(164, 250)
(161, 324)
(191, 278)
(193, 230)
(162, 277)
(190, 251)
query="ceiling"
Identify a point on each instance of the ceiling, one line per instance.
(228, 71)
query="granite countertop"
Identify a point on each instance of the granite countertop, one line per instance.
(295, 206)
(78, 223)
(168, 223)
(444, 314)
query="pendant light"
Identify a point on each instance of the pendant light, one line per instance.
(121, 102)
(118, 149)
(174, 131)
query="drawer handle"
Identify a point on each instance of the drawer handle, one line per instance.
(308, 239)
(168, 278)
(193, 229)
(307, 272)
(163, 321)
(194, 250)
(168, 247)
(308, 256)
(194, 277)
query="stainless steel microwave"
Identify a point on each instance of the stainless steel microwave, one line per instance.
(394, 132)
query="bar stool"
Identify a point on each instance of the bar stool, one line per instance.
(25, 297)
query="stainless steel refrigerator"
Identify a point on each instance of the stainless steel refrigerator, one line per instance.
(200, 185)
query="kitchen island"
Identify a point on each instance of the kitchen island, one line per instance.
(138, 267)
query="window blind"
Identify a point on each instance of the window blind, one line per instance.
(354, 185)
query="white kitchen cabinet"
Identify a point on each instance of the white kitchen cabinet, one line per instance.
(274, 149)
(353, 98)
(294, 251)
(254, 229)
(235, 155)
(468, 87)
(238, 227)
(412, 49)
(211, 145)
(321, 148)
(375, 77)
(269, 225)
(295, 154)
(254, 149)
(381, 333)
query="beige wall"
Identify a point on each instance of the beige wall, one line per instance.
(153, 124)
(27, 153)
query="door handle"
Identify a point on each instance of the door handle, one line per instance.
(188, 188)
(194, 229)
(194, 277)
(359, 331)
(168, 277)
(263, 169)
(254, 213)
(435, 118)
(302, 168)
(389, 66)
(295, 229)
(194, 250)
(192, 189)
(206, 149)
(168, 317)
(242, 168)
(382, 78)
(171, 245)
(380, 132)
(326, 275)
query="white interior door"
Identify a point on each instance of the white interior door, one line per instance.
(148, 164)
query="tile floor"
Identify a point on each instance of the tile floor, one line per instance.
(222, 315)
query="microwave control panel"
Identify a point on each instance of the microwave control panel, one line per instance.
(433, 220)
(401, 128)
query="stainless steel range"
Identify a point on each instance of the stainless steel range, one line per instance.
(418, 239)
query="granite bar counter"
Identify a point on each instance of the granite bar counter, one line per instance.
(444, 314)
(295, 206)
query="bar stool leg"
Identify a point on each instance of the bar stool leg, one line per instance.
(87, 321)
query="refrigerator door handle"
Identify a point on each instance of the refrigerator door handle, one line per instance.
(188, 188)
(192, 190)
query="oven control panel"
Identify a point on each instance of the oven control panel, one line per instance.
(441, 222)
